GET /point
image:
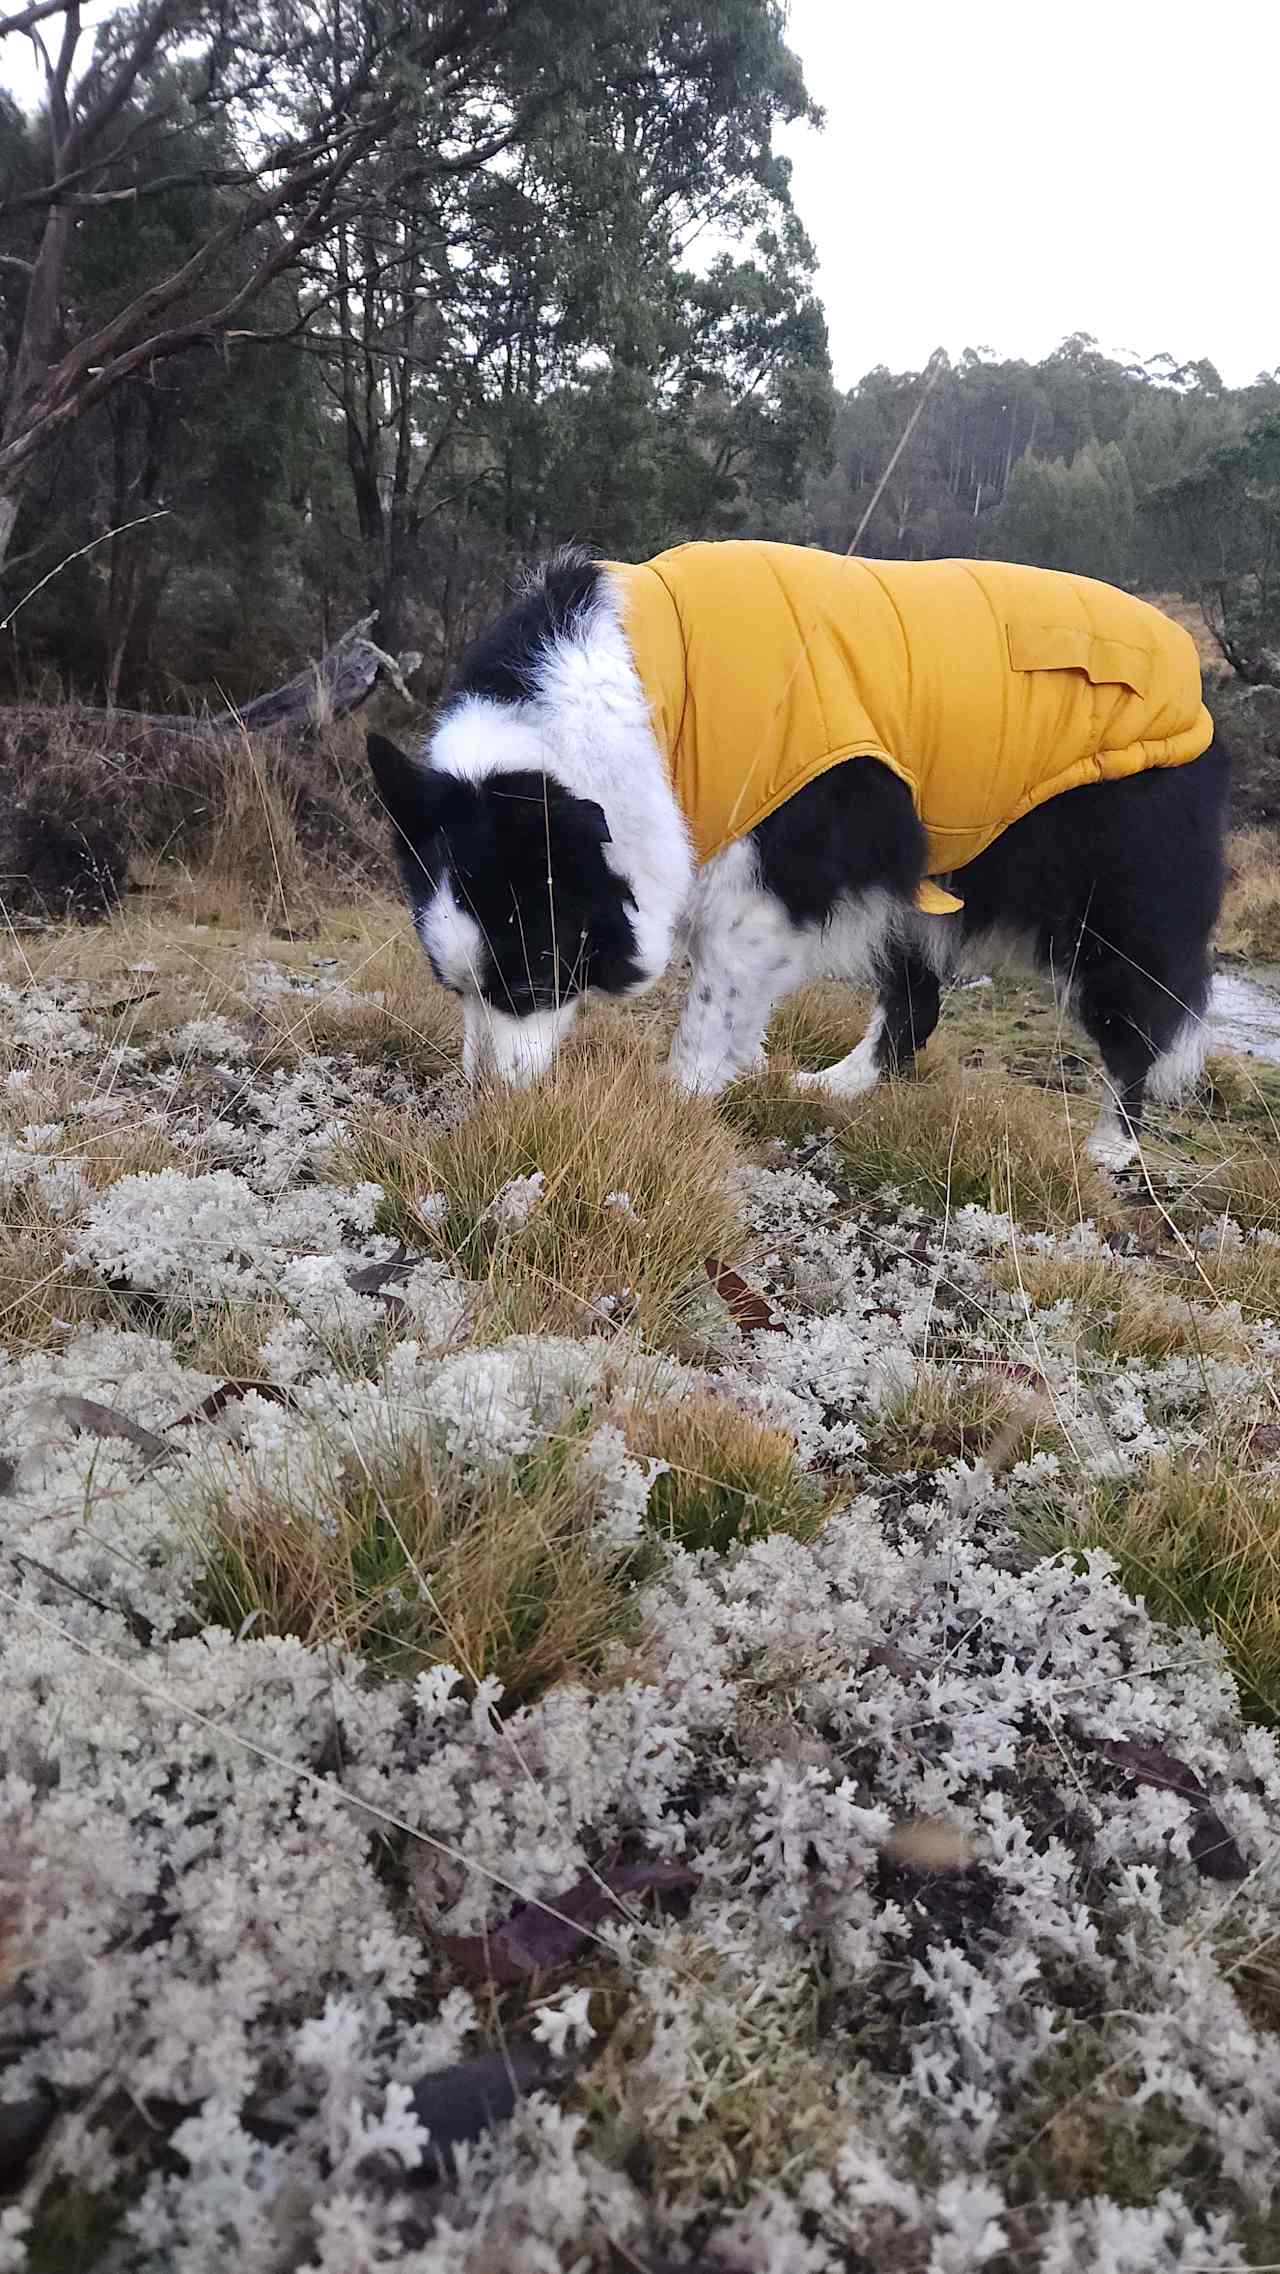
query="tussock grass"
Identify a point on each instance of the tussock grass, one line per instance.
(959, 1139)
(1247, 1275)
(636, 1193)
(1244, 1182)
(818, 1025)
(39, 1299)
(1123, 1311)
(942, 1142)
(1250, 922)
(1199, 1540)
(271, 821)
(730, 1478)
(413, 1560)
(959, 1413)
(254, 850)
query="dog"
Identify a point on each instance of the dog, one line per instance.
(791, 766)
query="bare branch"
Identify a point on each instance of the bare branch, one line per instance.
(27, 18)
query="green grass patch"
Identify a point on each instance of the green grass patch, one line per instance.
(1198, 1539)
(729, 1478)
(414, 1559)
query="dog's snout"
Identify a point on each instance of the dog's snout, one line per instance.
(517, 1050)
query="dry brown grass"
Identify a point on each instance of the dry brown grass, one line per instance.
(600, 1127)
(1243, 1182)
(943, 1142)
(1190, 615)
(960, 1413)
(1250, 922)
(817, 1025)
(416, 1025)
(729, 1477)
(270, 822)
(414, 1560)
(1247, 1275)
(1124, 1310)
(39, 1298)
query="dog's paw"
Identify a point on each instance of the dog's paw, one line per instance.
(698, 1078)
(1112, 1148)
(842, 1081)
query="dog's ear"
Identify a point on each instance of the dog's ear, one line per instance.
(411, 793)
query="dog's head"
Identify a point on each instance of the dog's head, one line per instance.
(517, 908)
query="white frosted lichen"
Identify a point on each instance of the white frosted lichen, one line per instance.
(234, 1865)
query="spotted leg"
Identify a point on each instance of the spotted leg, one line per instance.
(747, 953)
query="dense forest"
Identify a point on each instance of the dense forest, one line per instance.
(474, 290)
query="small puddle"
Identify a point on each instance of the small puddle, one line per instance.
(1244, 1010)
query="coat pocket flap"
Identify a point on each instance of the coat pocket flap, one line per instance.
(1072, 647)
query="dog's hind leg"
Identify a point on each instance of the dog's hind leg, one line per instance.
(1132, 1024)
(904, 1017)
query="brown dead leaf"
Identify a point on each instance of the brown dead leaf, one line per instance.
(928, 1843)
(375, 1278)
(96, 1420)
(748, 1308)
(1213, 1850)
(227, 1393)
(1017, 1370)
(894, 1661)
(459, 2103)
(541, 1935)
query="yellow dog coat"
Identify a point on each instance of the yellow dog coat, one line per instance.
(987, 688)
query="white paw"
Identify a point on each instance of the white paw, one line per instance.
(1111, 1148)
(699, 1078)
(852, 1078)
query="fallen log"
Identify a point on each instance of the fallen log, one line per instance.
(83, 790)
(339, 682)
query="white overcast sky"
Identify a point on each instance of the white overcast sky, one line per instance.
(998, 173)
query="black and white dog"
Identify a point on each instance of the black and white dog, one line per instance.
(544, 858)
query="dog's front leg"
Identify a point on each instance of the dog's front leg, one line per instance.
(745, 957)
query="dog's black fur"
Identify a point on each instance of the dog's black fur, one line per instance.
(504, 662)
(1114, 888)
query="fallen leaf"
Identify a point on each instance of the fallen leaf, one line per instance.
(1264, 1440)
(460, 2103)
(372, 1278)
(227, 1393)
(1213, 1851)
(540, 1935)
(1017, 1370)
(107, 1421)
(748, 1308)
(23, 2126)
